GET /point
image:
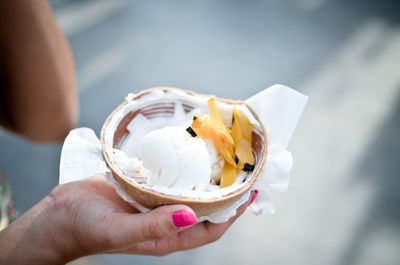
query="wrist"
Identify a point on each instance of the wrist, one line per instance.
(39, 237)
(61, 234)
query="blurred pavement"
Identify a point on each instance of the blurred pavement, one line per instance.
(343, 203)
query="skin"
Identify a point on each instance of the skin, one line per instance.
(88, 217)
(38, 99)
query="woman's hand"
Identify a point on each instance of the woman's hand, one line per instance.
(88, 217)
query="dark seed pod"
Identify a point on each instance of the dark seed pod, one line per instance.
(236, 160)
(191, 132)
(194, 117)
(248, 167)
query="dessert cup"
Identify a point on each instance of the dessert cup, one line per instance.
(150, 198)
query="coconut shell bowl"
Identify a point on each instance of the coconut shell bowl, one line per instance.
(115, 130)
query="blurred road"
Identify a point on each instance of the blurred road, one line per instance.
(344, 200)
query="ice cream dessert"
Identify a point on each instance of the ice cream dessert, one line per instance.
(166, 145)
(162, 121)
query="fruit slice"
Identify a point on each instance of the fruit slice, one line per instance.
(215, 111)
(242, 135)
(235, 130)
(228, 175)
(208, 127)
(244, 154)
(243, 122)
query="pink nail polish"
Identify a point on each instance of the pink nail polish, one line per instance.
(254, 196)
(183, 218)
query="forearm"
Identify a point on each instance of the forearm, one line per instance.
(37, 86)
(37, 237)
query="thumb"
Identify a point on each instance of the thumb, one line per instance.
(160, 223)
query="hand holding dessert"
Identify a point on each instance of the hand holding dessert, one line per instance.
(88, 217)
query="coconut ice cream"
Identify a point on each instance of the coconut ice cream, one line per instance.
(176, 159)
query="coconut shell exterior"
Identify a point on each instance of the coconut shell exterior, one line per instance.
(152, 199)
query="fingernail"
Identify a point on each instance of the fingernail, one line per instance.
(183, 218)
(254, 196)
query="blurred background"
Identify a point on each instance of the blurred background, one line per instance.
(343, 206)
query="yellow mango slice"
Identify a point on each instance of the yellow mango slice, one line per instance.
(208, 127)
(212, 105)
(241, 126)
(236, 130)
(242, 135)
(244, 154)
(246, 127)
(228, 175)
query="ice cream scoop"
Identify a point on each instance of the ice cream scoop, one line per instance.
(175, 159)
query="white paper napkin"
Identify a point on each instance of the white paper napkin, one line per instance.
(279, 109)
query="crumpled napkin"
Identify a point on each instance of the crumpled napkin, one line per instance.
(279, 109)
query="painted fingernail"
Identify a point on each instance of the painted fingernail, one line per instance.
(254, 196)
(183, 218)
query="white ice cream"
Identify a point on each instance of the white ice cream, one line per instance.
(175, 159)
